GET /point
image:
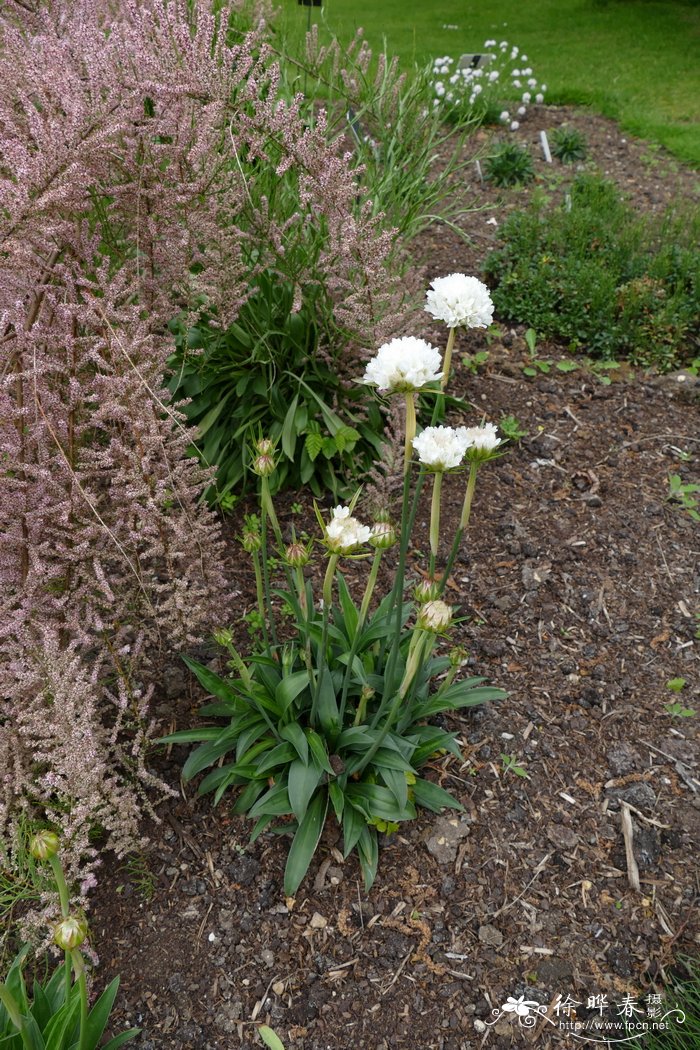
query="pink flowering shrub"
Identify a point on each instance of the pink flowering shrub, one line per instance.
(126, 198)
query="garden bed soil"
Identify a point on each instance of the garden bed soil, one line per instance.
(579, 586)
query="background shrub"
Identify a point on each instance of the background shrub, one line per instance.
(600, 277)
(509, 165)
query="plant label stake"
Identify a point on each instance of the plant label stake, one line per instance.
(479, 171)
(474, 61)
(545, 147)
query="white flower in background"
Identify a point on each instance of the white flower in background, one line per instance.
(522, 111)
(489, 43)
(494, 75)
(345, 533)
(539, 97)
(403, 365)
(517, 84)
(435, 616)
(503, 45)
(504, 117)
(454, 78)
(526, 97)
(526, 72)
(543, 89)
(515, 73)
(481, 441)
(460, 301)
(439, 88)
(441, 448)
(449, 96)
(477, 89)
(514, 125)
(532, 82)
(515, 52)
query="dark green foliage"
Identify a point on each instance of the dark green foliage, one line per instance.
(568, 145)
(604, 279)
(298, 755)
(509, 165)
(50, 1019)
(682, 994)
(265, 374)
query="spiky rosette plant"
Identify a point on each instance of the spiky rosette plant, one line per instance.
(336, 722)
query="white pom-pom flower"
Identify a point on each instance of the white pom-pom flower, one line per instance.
(344, 533)
(441, 448)
(403, 365)
(460, 301)
(482, 441)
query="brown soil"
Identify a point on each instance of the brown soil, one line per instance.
(579, 586)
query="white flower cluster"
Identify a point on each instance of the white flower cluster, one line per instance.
(403, 365)
(344, 533)
(444, 448)
(475, 93)
(460, 301)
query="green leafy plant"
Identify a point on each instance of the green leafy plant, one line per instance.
(510, 765)
(684, 494)
(602, 278)
(676, 685)
(266, 372)
(511, 428)
(476, 361)
(509, 165)
(568, 145)
(56, 1015)
(334, 719)
(680, 710)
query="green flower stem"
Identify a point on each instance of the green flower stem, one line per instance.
(304, 605)
(268, 508)
(410, 430)
(364, 608)
(261, 597)
(435, 518)
(469, 496)
(447, 362)
(79, 967)
(266, 570)
(408, 519)
(464, 521)
(64, 898)
(413, 664)
(321, 661)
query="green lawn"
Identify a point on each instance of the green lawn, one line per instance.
(635, 60)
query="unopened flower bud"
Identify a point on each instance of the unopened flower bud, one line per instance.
(251, 541)
(297, 555)
(265, 447)
(264, 465)
(459, 656)
(70, 932)
(426, 591)
(367, 693)
(383, 535)
(223, 637)
(435, 616)
(44, 845)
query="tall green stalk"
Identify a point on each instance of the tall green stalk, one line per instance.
(364, 608)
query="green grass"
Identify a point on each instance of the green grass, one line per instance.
(633, 60)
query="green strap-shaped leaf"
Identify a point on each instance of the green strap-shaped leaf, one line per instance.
(290, 688)
(99, 1015)
(368, 852)
(123, 1037)
(302, 781)
(297, 738)
(430, 796)
(289, 434)
(305, 842)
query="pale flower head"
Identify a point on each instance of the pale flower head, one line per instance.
(441, 448)
(435, 616)
(482, 441)
(460, 301)
(404, 365)
(344, 533)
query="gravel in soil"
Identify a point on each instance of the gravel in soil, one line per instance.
(579, 586)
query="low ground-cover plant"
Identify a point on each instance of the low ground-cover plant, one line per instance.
(594, 273)
(509, 165)
(338, 718)
(477, 94)
(56, 1014)
(568, 145)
